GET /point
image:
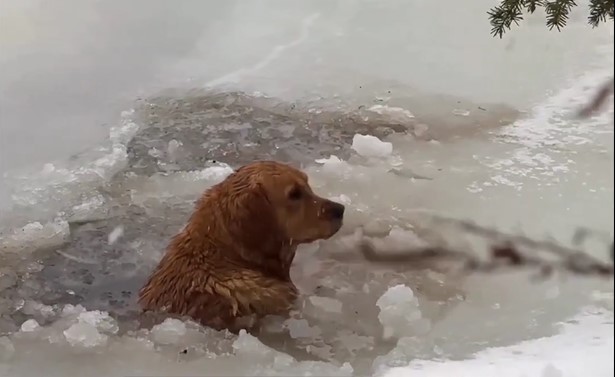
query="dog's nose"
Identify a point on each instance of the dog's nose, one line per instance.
(336, 210)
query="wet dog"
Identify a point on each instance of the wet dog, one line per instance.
(231, 262)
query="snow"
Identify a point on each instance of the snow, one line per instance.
(371, 146)
(583, 348)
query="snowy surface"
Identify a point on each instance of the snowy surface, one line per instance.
(583, 348)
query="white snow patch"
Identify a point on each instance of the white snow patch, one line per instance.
(583, 348)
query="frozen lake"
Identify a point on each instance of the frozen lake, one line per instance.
(115, 116)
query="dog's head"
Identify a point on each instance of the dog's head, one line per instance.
(268, 201)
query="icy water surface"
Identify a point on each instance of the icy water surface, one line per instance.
(395, 119)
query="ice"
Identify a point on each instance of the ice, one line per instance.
(331, 160)
(7, 349)
(344, 199)
(371, 146)
(300, 328)
(30, 325)
(264, 360)
(583, 348)
(115, 234)
(394, 114)
(169, 332)
(92, 328)
(36, 235)
(85, 335)
(327, 304)
(101, 320)
(398, 240)
(94, 208)
(173, 149)
(399, 312)
(33, 308)
(214, 174)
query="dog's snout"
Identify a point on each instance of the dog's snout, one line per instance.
(335, 210)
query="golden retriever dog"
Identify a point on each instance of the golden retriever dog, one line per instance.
(232, 260)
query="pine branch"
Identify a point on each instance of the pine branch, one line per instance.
(599, 10)
(508, 12)
(502, 16)
(557, 13)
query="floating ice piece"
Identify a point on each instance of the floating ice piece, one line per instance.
(399, 311)
(398, 240)
(371, 146)
(30, 326)
(173, 149)
(82, 334)
(101, 320)
(460, 112)
(344, 199)
(36, 308)
(90, 329)
(214, 174)
(395, 114)
(327, 304)
(331, 160)
(115, 234)
(300, 328)
(94, 208)
(169, 332)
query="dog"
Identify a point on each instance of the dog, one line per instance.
(232, 260)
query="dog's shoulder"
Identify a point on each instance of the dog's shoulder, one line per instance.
(214, 290)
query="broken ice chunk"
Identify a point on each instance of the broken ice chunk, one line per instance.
(371, 146)
(399, 312)
(30, 326)
(300, 328)
(115, 234)
(169, 332)
(101, 320)
(83, 334)
(327, 304)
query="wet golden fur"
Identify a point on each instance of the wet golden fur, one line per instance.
(232, 260)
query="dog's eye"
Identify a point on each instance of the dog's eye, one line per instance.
(295, 193)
